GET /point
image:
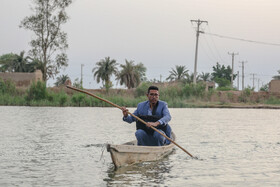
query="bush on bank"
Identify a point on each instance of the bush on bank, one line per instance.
(177, 95)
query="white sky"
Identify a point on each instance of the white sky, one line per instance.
(159, 34)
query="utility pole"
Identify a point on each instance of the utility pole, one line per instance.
(259, 85)
(199, 22)
(242, 74)
(237, 80)
(82, 65)
(253, 80)
(232, 66)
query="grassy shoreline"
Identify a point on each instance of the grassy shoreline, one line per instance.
(177, 96)
(62, 99)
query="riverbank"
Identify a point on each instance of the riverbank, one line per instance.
(176, 95)
(62, 97)
(234, 106)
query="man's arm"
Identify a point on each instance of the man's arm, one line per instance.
(166, 115)
(128, 118)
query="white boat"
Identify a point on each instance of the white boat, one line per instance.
(129, 153)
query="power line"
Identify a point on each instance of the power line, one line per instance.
(211, 50)
(212, 56)
(241, 39)
(215, 45)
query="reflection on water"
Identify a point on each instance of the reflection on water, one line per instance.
(143, 173)
(45, 146)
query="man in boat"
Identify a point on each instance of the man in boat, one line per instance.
(155, 112)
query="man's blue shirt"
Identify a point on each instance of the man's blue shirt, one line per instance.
(143, 109)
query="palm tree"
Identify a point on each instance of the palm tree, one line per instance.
(13, 62)
(205, 76)
(61, 80)
(20, 62)
(189, 78)
(7, 62)
(104, 69)
(34, 65)
(179, 73)
(141, 69)
(17, 63)
(131, 75)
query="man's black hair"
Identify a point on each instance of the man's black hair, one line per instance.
(152, 88)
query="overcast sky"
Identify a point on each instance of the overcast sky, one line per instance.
(159, 34)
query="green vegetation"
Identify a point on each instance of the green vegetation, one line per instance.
(47, 53)
(7, 87)
(131, 75)
(222, 75)
(265, 88)
(49, 42)
(61, 80)
(245, 95)
(179, 73)
(39, 95)
(273, 101)
(103, 71)
(18, 63)
(37, 91)
(177, 95)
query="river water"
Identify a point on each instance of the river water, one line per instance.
(52, 146)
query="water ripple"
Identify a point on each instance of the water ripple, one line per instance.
(45, 146)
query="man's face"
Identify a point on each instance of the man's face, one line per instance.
(153, 96)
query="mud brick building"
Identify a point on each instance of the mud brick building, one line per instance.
(22, 79)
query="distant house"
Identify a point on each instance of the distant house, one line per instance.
(274, 86)
(22, 79)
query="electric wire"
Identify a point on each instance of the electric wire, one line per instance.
(241, 39)
(218, 52)
(206, 53)
(211, 50)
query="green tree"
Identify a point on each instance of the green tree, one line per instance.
(7, 62)
(61, 80)
(179, 73)
(131, 75)
(77, 83)
(37, 91)
(103, 71)
(17, 63)
(205, 77)
(222, 82)
(277, 77)
(50, 41)
(265, 88)
(222, 75)
(141, 69)
(189, 78)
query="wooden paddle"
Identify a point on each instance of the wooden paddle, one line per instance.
(155, 129)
